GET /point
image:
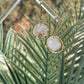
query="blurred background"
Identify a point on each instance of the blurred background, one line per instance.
(28, 7)
(32, 10)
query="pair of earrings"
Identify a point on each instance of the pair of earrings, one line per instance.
(54, 43)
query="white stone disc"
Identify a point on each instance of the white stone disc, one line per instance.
(40, 30)
(54, 43)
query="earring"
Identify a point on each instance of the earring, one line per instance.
(55, 44)
(40, 30)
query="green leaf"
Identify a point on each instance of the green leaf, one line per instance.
(1, 37)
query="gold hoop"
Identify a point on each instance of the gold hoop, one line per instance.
(55, 51)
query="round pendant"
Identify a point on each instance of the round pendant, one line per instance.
(40, 30)
(55, 44)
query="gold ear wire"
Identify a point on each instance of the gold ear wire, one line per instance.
(55, 24)
(40, 10)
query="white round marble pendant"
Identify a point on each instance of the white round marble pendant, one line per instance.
(40, 30)
(55, 44)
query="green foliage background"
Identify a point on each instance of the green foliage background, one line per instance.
(30, 62)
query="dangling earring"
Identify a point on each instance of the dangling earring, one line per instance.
(40, 30)
(54, 43)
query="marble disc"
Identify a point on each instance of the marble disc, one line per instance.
(53, 43)
(40, 30)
